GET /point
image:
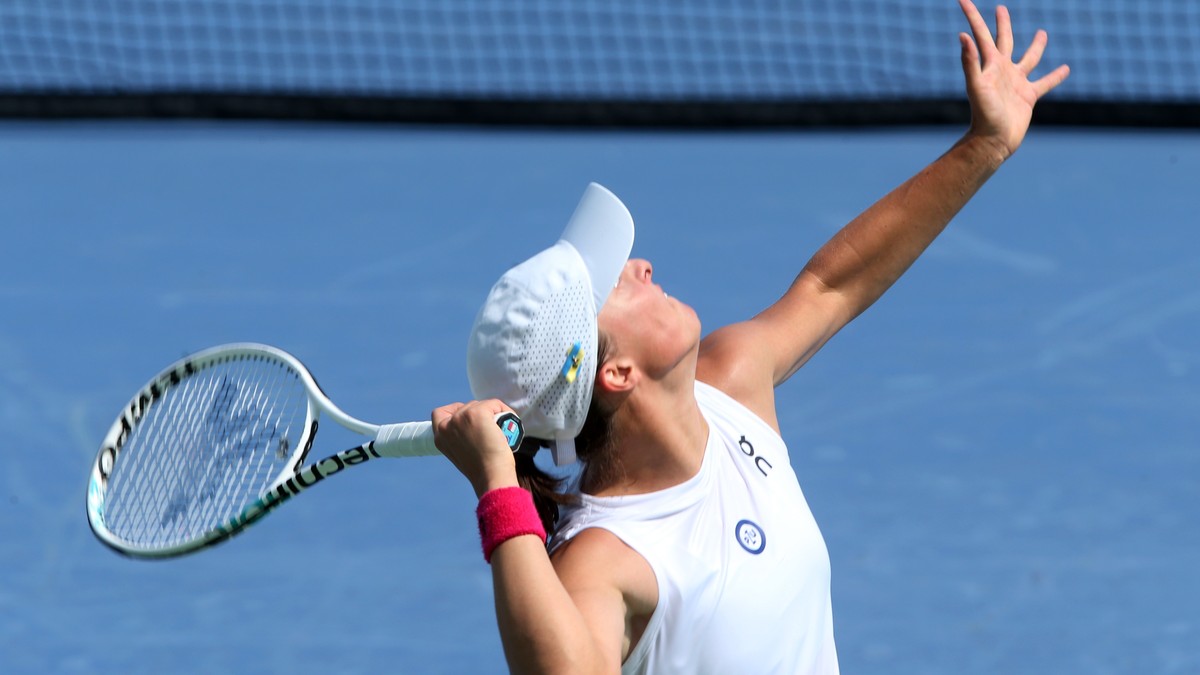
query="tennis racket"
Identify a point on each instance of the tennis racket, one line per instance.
(216, 441)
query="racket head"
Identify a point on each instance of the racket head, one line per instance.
(192, 458)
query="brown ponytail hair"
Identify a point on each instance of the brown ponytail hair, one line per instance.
(593, 446)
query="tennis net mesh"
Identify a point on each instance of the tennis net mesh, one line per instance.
(746, 52)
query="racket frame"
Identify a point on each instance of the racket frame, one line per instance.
(407, 439)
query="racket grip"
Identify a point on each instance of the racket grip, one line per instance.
(415, 439)
(407, 439)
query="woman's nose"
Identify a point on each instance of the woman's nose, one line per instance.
(640, 269)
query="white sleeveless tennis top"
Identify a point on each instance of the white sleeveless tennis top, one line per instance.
(742, 570)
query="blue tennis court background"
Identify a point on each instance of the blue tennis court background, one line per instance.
(1003, 454)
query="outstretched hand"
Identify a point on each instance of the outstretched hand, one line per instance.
(1000, 91)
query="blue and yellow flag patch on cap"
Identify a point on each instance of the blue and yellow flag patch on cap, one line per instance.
(570, 369)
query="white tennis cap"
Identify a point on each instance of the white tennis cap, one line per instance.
(533, 344)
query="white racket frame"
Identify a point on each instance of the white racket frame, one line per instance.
(406, 439)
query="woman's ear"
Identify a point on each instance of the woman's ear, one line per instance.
(617, 375)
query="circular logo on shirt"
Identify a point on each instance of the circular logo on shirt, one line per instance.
(750, 536)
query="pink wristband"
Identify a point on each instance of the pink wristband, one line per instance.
(505, 513)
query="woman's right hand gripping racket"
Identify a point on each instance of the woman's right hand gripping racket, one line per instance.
(216, 441)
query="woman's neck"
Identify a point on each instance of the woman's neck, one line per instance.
(659, 439)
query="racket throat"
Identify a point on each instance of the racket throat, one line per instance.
(308, 443)
(315, 473)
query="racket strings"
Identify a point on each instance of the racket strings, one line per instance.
(212, 444)
(141, 483)
(238, 476)
(136, 482)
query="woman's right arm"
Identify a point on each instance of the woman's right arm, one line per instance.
(545, 626)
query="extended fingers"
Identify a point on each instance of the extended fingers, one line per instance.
(1052, 80)
(970, 56)
(1033, 55)
(1004, 33)
(983, 35)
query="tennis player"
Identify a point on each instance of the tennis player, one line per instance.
(685, 545)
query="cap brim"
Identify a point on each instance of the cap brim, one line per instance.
(601, 230)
